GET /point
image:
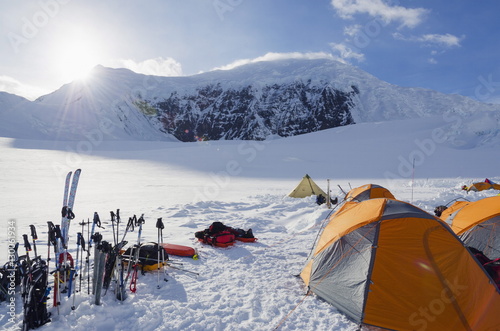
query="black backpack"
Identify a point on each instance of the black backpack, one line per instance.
(148, 255)
(35, 293)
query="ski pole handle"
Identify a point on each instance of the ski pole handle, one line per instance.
(26, 243)
(159, 223)
(97, 220)
(59, 235)
(33, 232)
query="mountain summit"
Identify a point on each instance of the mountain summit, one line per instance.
(251, 102)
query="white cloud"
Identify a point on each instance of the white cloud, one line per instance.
(278, 56)
(345, 53)
(13, 86)
(445, 40)
(157, 67)
(409, 17)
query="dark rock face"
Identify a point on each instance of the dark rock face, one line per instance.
(255, 112)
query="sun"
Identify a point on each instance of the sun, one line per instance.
(75, 56)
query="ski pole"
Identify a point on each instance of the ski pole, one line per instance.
(51, 240)
(82, 246)
(28, 249)
(117, 225)
(113, 226)
(134, 263)
(87, 259)
(96, 238)
(34, 236)
(160, 227)
(57, 276)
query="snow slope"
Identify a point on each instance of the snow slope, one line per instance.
(250, 286)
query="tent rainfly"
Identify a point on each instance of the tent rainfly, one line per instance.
(477, 224)
(368, 191)
(305, 188)
(389, 264)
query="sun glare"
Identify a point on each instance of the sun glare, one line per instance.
(75, 57)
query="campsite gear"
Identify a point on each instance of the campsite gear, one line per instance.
(368, 191)
(133, 256)
(51, 240)
(34, 237)
(11, 273)
(180, 250)
(305, 188)
(320, 199)
(147, 256)
(95, 237)
(35, 294)
(481, 186)
(103, 249)
(34, 289)
(161, 251)
(220, 235)
(389, 264)
(477, 224)
(67, 215)
(439, 210)
(77, 270)
(491, 266)
(69, 202)
(111, 257)
(55, 237)
(81, 238)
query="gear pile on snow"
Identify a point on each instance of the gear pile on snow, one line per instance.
(220, 235)
(114, 267)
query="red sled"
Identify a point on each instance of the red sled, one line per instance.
(247, 240)
(180, 250)
(217, 244)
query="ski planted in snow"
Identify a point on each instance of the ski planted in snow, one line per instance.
(68, 203)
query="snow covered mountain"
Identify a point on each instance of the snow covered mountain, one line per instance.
(255, 101)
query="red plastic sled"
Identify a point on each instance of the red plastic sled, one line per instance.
(247, 240)
(180, 250)
(229, 244)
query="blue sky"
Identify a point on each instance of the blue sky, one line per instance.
(452, 46)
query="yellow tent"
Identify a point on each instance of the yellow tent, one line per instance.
(305, 188)
(389, 264)
(481, 186)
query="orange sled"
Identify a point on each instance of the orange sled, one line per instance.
(180, 250)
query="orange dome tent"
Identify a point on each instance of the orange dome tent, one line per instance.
(389, 264)
(477, 224)
(368, 191)
(481, 186)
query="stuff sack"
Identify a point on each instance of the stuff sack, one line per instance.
(222, 239)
